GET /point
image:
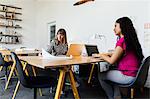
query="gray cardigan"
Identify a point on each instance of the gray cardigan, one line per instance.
(57, 49)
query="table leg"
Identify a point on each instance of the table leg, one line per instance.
(91, 73)
(73, 85)
(60, 83)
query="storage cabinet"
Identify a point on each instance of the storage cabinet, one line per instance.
(9, 24)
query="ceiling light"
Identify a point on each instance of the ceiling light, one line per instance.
(81, 2)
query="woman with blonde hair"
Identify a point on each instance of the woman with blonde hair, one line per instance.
(59, 45)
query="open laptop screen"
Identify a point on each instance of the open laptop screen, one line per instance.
(91, 49)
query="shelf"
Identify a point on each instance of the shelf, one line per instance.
(9, 43)
(8, 15)
(10, 19)
(10, 35)
(10, 26)
(10, 12)
(10, 6)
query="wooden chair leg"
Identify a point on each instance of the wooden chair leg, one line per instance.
(132, 93)
(16, 89)
(40, 91)
(34, 72)
(91, 73)
(16, 71)
(1, 67)
(24, 64)
(10, 75)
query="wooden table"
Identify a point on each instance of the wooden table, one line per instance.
(64, 67)
(28, 52)
(22, 52)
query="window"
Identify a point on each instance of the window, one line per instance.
(51, 31)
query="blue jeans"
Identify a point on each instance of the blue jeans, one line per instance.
(116, 76)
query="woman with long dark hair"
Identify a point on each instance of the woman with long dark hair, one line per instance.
(127, 55)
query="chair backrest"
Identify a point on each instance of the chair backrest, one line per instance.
(21, 74)
(75, 49)
(142, 73)
(2, 62)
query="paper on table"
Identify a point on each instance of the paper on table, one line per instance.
(46, 55)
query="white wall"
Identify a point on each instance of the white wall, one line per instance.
(81, 22)
(28, 24)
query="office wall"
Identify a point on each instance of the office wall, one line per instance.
(82, 22)
(28, 24)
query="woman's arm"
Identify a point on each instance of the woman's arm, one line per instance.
(65, 49)
(51, 47)
(118, 52)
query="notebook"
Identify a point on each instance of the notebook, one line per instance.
(91, 49)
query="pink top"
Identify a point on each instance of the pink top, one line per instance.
(129, 63)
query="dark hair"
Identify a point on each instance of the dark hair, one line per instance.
(63, 32)
(130, 36)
